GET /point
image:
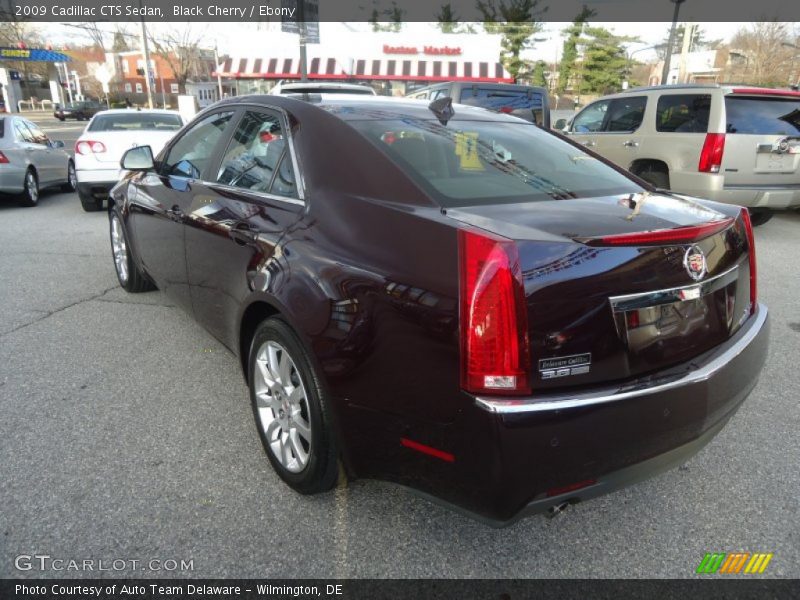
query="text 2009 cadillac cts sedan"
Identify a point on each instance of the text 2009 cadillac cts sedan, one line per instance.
(445, 297)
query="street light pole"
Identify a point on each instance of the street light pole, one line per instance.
(668, 55)
(146, 55)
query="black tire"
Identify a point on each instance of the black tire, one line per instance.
(655, 176)
(759, 216)
(321, 470)
(89, 203)
(30, 191)
(61, 119)
(131, 279)
(72, 180)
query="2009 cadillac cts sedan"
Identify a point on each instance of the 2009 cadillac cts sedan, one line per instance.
(445, 297)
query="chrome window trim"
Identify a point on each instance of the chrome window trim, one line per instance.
(668, 296)
(557, 402)
(239, 190)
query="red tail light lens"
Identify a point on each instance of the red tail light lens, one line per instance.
(86, 147)
(506, 110)
(495, 355)
(679, 235)
(711, 155)
(751, 250)
(3, 159)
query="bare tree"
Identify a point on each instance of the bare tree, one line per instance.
(180, 49)
(762, 54)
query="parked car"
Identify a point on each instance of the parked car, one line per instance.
(728, 143)
(319, 87)
(451, 299)
(524, 101)
(107, 136)
(30, 161)
(80, 111)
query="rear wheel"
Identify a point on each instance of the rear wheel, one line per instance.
(30, 190)
(90, 203)
(291, 410)
(759, 216)
(72, 179)
(130, 277)
(654, 175)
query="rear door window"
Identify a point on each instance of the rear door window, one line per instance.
(763, 116)
(626, 114)
(683, 113)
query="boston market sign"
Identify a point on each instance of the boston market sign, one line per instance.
(430, 50)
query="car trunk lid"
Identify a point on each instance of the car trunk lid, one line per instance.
(117, 143)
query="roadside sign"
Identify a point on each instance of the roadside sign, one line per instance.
(310, 16)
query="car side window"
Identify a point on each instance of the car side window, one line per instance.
(591, 118)
(626, 114)
(257, 157)
(190, 154)
(39, 136)
(22, 132)
(686, 113)
(442, 93)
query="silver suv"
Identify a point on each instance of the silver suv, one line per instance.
(732, 144)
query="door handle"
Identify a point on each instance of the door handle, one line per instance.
(630, 144)
(588, 143)
(243, 234)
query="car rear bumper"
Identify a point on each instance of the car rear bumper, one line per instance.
(98, 175)
(12, 179)
(97, 190)
(542, 447)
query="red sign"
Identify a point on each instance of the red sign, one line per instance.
(431, 50)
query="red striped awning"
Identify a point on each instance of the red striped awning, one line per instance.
(380, 69)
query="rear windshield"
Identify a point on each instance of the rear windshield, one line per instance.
(326, 90)
(765, 116)
(504, 100)
(472, 163)
(135, 121)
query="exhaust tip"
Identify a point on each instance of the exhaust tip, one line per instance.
(556, 510)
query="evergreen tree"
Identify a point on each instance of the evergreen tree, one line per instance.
(516, 21)
(569, 53)
(604, 61)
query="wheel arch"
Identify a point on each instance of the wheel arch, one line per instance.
(641, 163)
(255, 313)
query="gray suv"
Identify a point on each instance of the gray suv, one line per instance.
(732, 144)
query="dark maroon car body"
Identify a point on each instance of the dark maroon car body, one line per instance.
(364, 265)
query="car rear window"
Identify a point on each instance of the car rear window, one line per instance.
(136, 121)
(326, 90)
(504, 100)
(469, 163)
(765, 116)
(683, 113)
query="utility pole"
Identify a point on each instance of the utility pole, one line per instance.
(216, 68)
(69, 82)
(146, 55)
(301, 28)
(668, 55)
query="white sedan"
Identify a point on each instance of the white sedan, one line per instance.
(106, 138)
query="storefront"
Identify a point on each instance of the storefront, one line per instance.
(391, 64)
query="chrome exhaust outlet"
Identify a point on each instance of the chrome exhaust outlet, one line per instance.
(556, 510)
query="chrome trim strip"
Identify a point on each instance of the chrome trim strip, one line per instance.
(668, 296)
(245, 191)
(564, 402)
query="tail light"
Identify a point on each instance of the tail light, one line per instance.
(711, 155)
(86, 147)
(678, 235)
(3, 159)
(751, 250)
(495, 355)
(507, 110)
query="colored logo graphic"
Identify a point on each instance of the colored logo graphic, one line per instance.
(734, 562)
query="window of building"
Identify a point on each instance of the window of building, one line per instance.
(126, 68)
(139, 88)
(128, 87)
(174, 88)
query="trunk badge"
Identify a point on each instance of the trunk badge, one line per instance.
(695, 262)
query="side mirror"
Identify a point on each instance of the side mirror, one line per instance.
(561, 124)
(56, 144)
(138, 159)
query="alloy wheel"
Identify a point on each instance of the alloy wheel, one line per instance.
(119, 249)
(72, 177)
(31, 187)
(282, 406)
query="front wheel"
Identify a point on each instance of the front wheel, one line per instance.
(130, 277)
(291, 410)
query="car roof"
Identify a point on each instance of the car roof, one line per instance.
(352, 107)
(157, 111)
(324, 84)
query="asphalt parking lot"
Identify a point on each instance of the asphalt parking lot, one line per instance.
(126, 433)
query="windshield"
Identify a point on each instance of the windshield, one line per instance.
(136, 121)
(471, 163)
(765, 116)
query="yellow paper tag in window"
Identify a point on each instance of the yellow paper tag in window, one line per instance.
(467, 151)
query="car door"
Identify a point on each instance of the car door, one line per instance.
(30, 151)
(161, 200)
(618, 141)
(249, 200)
(589, 123)
(51, 163)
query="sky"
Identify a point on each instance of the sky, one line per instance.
(230, 39)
